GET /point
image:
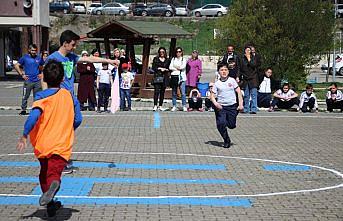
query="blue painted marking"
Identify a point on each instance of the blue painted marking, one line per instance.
(283, 167)
(124, 166)
(82, 180)
(223, 202)
(157, 120)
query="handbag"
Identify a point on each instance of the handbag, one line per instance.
(158, 80)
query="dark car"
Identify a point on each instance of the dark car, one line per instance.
(60, 6)
(155, 10)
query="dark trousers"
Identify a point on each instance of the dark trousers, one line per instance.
(284, 104)
(264, 99)
(195, 104)
(334, 105)
(125, 93)
(104, 93)
(86, 91)
(308, 106)
(208, 103)
(226, 117)
(50, 170)
(27, 88)
(159, 90)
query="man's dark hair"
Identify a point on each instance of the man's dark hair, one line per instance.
(53, 73)
(68, 36)
(33, 46)
(223, 64)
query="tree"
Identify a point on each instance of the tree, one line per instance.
(288, 33)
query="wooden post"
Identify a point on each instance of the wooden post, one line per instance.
(2, 54)
(145, 60)
(107, 47)
(97, 46)
(172, 47)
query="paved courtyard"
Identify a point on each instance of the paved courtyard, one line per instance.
(142, 165)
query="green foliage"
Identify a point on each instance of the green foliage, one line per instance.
(287, 33)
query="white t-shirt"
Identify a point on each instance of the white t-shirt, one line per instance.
(105, 76)
(265, 86)
(126, 78)
(225, 91)
(283, 95)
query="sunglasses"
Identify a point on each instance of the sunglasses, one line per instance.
(178, 51)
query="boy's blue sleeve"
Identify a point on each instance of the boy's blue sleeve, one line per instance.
(77, 111)
(31, 120)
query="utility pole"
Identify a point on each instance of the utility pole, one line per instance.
(334, 49)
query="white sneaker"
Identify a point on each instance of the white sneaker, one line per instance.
(173, 109)
(162, 109)
(155, 108)
(184, 109)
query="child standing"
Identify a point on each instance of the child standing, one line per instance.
(308, 100)
(54, 117)
(103, 84)
(125, 86)
(226, 108)
(334, 98)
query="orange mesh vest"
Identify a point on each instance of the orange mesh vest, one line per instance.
(54, 131)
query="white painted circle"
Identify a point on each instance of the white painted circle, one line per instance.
(337, 173)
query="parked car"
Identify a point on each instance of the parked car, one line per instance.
(112, 8)
(339, 66)
(61, 6)
(8, 63)
(156, 10)
(210, 10)
(138, 8)
(79, 8)
(93, 6)
(182, 10)
(339, 10)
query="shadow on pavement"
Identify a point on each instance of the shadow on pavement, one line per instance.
(215, 143)
(61, 214)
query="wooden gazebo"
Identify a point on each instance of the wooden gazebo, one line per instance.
(133, 33)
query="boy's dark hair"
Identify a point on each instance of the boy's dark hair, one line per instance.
(309, 86)
(334, 84)
(68, 36)
(220, 65)
(33, 46)
(53, 73)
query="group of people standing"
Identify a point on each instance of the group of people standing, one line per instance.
(177, 73)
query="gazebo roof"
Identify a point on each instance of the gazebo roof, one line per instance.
(138, 29)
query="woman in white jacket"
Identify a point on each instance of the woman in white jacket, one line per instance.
(178, 77)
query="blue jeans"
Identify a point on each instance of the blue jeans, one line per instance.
(125, 93)
(247, 93)
(183, 93)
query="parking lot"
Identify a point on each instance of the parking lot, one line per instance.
(142, 165)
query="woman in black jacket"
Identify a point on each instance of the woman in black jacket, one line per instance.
(248, 75)
(160, 66)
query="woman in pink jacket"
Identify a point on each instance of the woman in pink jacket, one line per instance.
(195, 69)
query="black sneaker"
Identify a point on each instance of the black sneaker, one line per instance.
(227, 144)
(49, 195)
(52, 207)
(23, 112)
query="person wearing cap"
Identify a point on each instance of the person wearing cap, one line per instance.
(125, 88)
(85, 90)
(193, 71)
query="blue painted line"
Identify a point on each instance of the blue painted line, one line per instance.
(283, 167)
(124, 166)
(157, 120)
(82, 180)
(221, 202)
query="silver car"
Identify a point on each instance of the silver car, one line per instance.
(210, 10)
(181, 10)
(112, 8)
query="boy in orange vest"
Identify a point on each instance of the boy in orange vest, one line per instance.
(54, 117)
